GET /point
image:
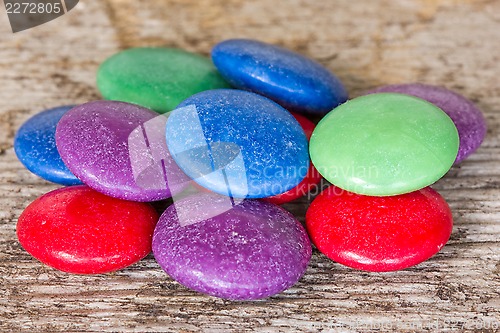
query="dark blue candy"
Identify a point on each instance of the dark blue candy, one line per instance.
(35, 146)
(296, 82)
(237, 143)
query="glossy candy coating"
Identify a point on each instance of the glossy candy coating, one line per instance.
(379, 233)
(307, 125)
(311, 180)
(78, 230)
(156, 78)
(250, 251)
(35, 146)
(119, 149)
(468, 119)
(290, 79)
(238, 143)
(384, 144)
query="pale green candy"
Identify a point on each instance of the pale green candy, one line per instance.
(384, 144)
(157, 78)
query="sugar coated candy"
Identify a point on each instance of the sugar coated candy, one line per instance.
(35, 146)
(158, 78)
(292, 80)
(244, 249)
(119, 149)
(384, 144)
(238, 143)
(78, 230)
(310, 181)
(468, 119)
(379, 233)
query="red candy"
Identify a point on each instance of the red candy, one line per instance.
(78, 230)
(379, 233)
(306, 124)
(312, 178)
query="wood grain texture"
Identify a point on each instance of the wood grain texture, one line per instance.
(454, 43)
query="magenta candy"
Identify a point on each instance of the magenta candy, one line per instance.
(119, 149)
(468, 119)
(250, 251)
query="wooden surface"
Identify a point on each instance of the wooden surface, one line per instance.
(367, 43)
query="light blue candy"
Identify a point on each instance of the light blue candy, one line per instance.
(237, 143)
(35, 146)
(290, 79)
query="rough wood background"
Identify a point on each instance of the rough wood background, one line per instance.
(367, 43)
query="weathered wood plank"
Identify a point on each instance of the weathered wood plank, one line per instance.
(446, 42)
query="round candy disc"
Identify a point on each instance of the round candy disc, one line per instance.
(290, 79)
(157, 78)
(35, 146)
(468, 119)
(238, 143)
(384, 144)
(248, 251)
(119, 149)
(78, 230)
(312, 177)
(379, 233)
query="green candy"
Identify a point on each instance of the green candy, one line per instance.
(384, 144)
(156, 78)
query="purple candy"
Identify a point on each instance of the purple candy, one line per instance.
(251, 250)
(468, 119)
(119, 149)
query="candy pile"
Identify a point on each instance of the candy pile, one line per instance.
(228, 143)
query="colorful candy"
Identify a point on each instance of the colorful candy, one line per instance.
(156, 78)
(386, 147)
(35, 146)
(238, 143)
(78, 230)
(384, 144)
(379, 233)
(467, 117)
(292, 80)
(311, 180)
(109, 146)
(251, 250)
